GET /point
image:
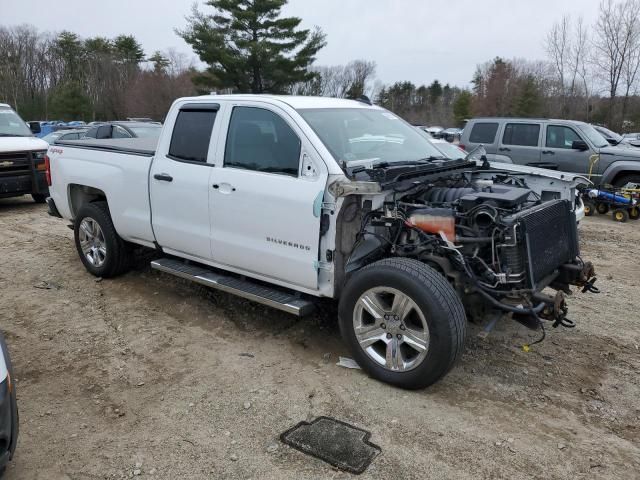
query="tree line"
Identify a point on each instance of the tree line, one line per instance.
(63, 76)
(590, 71)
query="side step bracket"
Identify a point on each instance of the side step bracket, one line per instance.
(265, 295)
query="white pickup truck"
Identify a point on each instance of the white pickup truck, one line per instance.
(284, 200)
(22, 166)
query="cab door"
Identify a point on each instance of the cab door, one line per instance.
(558, 150)
(521, 143)
(179, 186)
(265, 211)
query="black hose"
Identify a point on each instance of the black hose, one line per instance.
(509, 308)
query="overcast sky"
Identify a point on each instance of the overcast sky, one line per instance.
(417, 40)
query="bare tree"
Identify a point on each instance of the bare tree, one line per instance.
(614, 38)
(558, 47)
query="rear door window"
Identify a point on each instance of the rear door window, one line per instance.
(192, 134)
(483, 132)
(523, 134)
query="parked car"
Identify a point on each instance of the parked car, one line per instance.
(451, 134)
(321, 197)
(435, 131)
(72, 134)
(614, 138)
(124, 129)
(565, 145)
(8, 408)
(632, 136)
(22, 157)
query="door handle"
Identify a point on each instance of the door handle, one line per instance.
(164, 177)
(548, 152)
(504, 149)
(224, 187)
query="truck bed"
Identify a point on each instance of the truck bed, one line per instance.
(131, 146)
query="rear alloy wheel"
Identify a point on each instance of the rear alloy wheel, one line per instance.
(403, 322)
(102, 251)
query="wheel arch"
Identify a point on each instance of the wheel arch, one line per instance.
(80, 195)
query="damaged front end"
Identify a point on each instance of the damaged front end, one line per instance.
(502, 245)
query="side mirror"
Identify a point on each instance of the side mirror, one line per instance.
(579, 145)
(35, 127)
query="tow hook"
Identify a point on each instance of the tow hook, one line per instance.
(588, 278)
(589, 287)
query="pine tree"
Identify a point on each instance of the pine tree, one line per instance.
(462, 107)
(250, 47)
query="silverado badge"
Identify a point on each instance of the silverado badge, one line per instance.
(6, 164)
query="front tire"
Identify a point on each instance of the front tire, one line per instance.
(102, 251)
(403, 322)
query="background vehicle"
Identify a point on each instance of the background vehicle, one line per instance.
(283, 200)
(435, 131)
(72, 134)
(124, 130)
(614, 138)
(451, 134)
(8, 408)
(565, 145)
(22, 162)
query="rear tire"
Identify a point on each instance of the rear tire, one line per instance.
(634, 213)
(403, 322)
(602, 208)
(101, 250)
(39, 197)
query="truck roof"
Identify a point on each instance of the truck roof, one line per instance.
(294, 101)
(526, 119)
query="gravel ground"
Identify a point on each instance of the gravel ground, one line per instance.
(148, 376)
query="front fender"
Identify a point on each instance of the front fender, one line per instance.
(618, 167)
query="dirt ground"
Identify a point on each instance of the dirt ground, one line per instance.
(149, 376)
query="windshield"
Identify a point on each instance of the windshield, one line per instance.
(594, 137)
(610, 134)
(367, 134)
(11, 125)
(147, 132)
(450, 150)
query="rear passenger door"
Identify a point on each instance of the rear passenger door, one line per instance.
(179, 185)
(483, 133)
(265, 207)
(521, 143)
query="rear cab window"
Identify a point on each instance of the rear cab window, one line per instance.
(521, 134)
(192, 133)
(483, 132)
